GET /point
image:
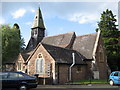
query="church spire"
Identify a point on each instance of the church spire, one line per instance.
(37, 32)
(38, 20)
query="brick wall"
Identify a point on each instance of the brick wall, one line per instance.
(101, 60)
(63, 73)
(79, 74)
(31, 66)
(23, 66)
(59, 72)
(89, 72)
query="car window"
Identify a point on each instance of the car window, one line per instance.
(20, 76)
(116, 74)
(4, 75)
(12, 75)
(112, 74)
(15, 75)
(119, 74)
(26, 75)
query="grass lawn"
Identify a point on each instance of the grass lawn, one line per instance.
(87, 82)
(81, 82)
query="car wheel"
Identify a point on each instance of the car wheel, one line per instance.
(23, 87)
(111, 82)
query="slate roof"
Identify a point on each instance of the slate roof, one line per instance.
(61, 40)
(64, 56)
(56, 45)
(85, 44)
(25, 55)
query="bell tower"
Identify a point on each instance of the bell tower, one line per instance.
(37, 31)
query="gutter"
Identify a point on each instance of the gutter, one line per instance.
(70, 72)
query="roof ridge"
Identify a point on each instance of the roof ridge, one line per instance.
(86, 34)
(57, 47)
(60, 34)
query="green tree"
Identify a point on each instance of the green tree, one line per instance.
(110, 34)
(12, 43)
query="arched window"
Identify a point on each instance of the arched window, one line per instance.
(19, 66)
(40, 64)
(35, 32)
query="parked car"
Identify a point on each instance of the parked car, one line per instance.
(114, 78)
(18, 80)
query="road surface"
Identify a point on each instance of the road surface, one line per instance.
(74, 87)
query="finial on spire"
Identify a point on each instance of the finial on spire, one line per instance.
(39, 5)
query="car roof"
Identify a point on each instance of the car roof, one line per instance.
(10, 72)
(115, 71)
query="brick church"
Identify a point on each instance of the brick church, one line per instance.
(64, 57)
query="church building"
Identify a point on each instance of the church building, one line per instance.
(62, 58)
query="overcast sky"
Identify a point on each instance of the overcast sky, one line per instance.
(59, 17)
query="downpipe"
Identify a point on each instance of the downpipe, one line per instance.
(70, 68)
